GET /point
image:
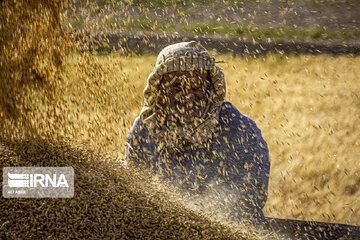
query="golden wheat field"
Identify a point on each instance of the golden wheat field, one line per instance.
(308, 108)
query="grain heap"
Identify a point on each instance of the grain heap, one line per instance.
(109, 202)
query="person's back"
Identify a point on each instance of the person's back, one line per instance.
(190, 137)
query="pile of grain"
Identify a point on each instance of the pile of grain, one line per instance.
(110, 201)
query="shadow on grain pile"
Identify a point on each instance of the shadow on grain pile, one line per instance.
(109, 202)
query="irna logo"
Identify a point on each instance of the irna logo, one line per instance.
(37, 180)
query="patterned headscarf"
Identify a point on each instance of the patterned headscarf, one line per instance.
(184, 56)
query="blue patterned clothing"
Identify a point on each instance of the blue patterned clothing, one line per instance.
(233, 162)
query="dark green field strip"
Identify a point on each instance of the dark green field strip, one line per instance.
(275, 33)
(134, 24)
(152, 43)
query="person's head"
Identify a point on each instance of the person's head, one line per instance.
(186, 94)
(185, 89)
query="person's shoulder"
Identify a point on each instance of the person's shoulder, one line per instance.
(229, 108)
(232, 117)
(137, 121)
(137, 128)
(229, 111)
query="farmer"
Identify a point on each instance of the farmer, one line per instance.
(189, 136)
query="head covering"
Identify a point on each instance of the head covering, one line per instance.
(184, 56)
